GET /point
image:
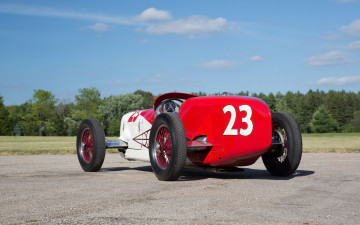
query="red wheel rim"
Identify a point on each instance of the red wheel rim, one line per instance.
(87, 145)
(163, 146)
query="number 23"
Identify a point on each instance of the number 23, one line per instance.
(247, 119)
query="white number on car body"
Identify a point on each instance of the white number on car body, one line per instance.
(134, 116)
(247, 119)
(229, 129)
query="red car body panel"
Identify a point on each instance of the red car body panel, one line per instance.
(206, 116)
(149, 115)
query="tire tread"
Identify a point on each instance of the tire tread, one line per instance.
(294, 154)
(178, 154)
(99, 145)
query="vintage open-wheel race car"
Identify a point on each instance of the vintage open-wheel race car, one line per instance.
(185, 130)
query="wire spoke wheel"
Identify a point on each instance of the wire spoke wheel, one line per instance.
(167, 146)
(279, 137)
(163, 146)
(284, 155)
(90, 145)
(87, 145)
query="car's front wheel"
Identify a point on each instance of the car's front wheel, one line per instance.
(167, 147)
(90, 145)
(284, 155)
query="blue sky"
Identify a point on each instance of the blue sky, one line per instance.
(186, 46)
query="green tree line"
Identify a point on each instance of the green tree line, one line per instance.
(315, 111)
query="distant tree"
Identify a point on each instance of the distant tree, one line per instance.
(23, 117)
(71, 126)
(322, 121)
(336, 105)
(148, 98)
(114, 107)
(243, 93)
(282, 106)
(42, 113)
(33, 116)
(354, 124)
(200, 93)
(55, 127)
(271, 102)
(87, 103)
(63, 109)
(350, 106)
(263, 97)
(5, 128)
(58, 127)
(43, 104)
(311, 102)
(218, 93)
(356, 121)
(17, 130)
(15, 116)
(300, 114)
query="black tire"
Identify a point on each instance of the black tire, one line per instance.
(284, 158)
(91, 153)
(167, 166)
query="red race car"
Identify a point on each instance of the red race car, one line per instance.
(185, 130)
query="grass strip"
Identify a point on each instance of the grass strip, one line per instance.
(34, 145)
(315, 143)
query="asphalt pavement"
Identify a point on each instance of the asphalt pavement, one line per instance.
(53, 189)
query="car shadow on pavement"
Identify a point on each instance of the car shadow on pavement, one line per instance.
(246, 174)
(200, 174)
(140, 168)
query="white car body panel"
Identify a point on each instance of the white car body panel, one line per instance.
(135, 131)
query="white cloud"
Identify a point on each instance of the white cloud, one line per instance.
(98, 27)
(191, 25)
(50, 12)
(153, 15)
(218, 64)
(341, 81)
(353, 29)
(328, 59)
(345, 1)
(354, 45)
(256, 58)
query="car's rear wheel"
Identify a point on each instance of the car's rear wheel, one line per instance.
(90, 145)
(167, 147)
(284, 155)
